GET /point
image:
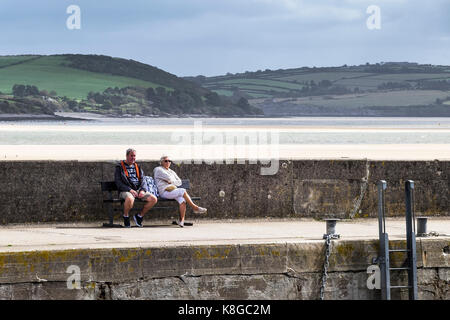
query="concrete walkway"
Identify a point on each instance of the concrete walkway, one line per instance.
(218, 232)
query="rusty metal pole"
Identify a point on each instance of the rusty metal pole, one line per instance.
(411, 239)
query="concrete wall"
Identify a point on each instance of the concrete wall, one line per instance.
(66, 191)
(250, 271)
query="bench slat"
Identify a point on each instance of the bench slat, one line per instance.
(139, 200)
(108, 186)
(111, 185)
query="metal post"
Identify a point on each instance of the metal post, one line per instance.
(383, 259)
(422, 226)
(331, 228)
(411, 239)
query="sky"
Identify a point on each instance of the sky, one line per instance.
(215, 37)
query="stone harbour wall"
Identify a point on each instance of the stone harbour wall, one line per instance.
(69, 191)
(240, 271)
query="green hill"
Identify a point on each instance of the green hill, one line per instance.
(370, 89)
(107, 85)
(57, 73)
(115, 86)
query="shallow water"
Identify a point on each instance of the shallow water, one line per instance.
(206, 138)
(367, 122)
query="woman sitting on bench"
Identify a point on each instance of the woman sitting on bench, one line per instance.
(168, 182)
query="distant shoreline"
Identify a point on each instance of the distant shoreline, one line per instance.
(46, 117)
(84, 116)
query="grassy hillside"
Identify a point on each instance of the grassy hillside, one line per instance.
(12, 60)
(334, 90)
(106, 85)
(290, 82)
(52, 73)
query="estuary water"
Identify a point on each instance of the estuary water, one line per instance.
(201, 138)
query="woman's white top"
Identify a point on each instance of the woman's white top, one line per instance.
(165, 178)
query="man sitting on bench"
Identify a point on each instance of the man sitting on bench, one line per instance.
(131, 184)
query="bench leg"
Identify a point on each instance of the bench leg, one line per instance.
(111, 224)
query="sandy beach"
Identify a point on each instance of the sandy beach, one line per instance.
(222, 152)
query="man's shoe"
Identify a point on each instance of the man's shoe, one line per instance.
(138, 220)
(126, 222)
(200, 210)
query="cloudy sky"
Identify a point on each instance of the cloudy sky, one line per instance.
(213, 37)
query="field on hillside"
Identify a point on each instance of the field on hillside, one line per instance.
(11, 60)
(290, 82)
(49, 73)
(389, 98)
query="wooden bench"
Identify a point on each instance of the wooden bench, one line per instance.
(108, 187)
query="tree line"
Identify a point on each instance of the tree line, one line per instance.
(157, 101)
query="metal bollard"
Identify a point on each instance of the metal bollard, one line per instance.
(331, 228)
(422, 226)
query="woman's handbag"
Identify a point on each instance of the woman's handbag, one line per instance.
(170, 188)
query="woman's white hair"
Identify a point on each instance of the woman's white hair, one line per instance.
(162, 158)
